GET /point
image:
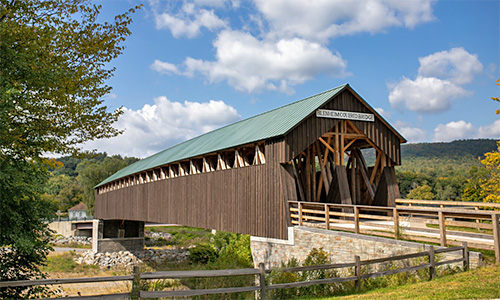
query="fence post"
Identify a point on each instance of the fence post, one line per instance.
(356, 219)
(327, 217)
(496, 235)
(300, 213)
(466, 256)
(442, 228)
(262, 274)
(432, 261)
(357, 271)
(136, 289)
(395, 216)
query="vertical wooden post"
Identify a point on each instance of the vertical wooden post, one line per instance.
(308, 173)
(432, 262)
(300, 213)
(356, 219)
(477, 220)
(442, 229)
(262, 274)
(357, 271)
(496, 235)
(313, 167)
(327, 217)
(341, 146)
(395, 216)
(136, 283)
(466, 256)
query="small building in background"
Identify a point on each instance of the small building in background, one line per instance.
(78, 212)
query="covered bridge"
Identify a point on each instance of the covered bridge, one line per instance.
(239, 178)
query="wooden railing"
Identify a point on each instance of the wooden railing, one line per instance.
(429, 262)
(445, 204)
(390, 221)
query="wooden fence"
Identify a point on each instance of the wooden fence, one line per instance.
(136, 293)
(387, 221)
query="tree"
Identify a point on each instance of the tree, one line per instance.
(472, 190)
(53, 72)
(423, 192)
(22, 212)
(490, 184)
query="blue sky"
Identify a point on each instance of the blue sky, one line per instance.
(429, 67)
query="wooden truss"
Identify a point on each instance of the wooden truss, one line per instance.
(243, 156)
(333, 170)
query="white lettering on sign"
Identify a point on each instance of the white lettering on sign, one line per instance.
(345, 115)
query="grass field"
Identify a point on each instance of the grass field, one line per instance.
(483, 283)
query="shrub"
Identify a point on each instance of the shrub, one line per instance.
(202, 254)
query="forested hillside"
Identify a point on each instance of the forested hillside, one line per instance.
(452, 150)
(442, 171)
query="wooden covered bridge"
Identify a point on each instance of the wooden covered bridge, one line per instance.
(239, 178)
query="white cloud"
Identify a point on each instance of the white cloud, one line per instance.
(425, 94)
(164, 67)
(410, 133)
(454, 131)
(249, 64)
(189, 21)
(165, 123)
(324, 19)
(439, 82)
(490, 131)
(457, 66)
(383, 112)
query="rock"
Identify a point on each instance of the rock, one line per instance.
(126, 258)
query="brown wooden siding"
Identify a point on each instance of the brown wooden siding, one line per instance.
(313, 127)
(246, 200)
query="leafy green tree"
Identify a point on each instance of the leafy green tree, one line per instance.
(472, 190)
(423, 192)
(54, 59)
(56, 183)
(54, 65)
(23, 211)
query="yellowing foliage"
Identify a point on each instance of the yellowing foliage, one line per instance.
(496, 98)
(490, 186)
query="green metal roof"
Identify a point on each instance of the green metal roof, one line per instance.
(274, 123)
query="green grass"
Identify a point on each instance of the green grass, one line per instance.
(64, 263)
(184, 236)
(483, 283)
(71, 245)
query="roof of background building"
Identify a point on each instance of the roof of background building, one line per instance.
(270, 124)
(79, 206)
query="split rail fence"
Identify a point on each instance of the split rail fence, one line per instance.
(395, 221)
(428, 262)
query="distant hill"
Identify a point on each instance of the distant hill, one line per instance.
(452, 150)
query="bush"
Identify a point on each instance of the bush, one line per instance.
(315, 257)
(226, 251)
(202, 254)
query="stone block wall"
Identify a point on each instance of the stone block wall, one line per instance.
(342, 246)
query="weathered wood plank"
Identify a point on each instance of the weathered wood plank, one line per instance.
(197, 292)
